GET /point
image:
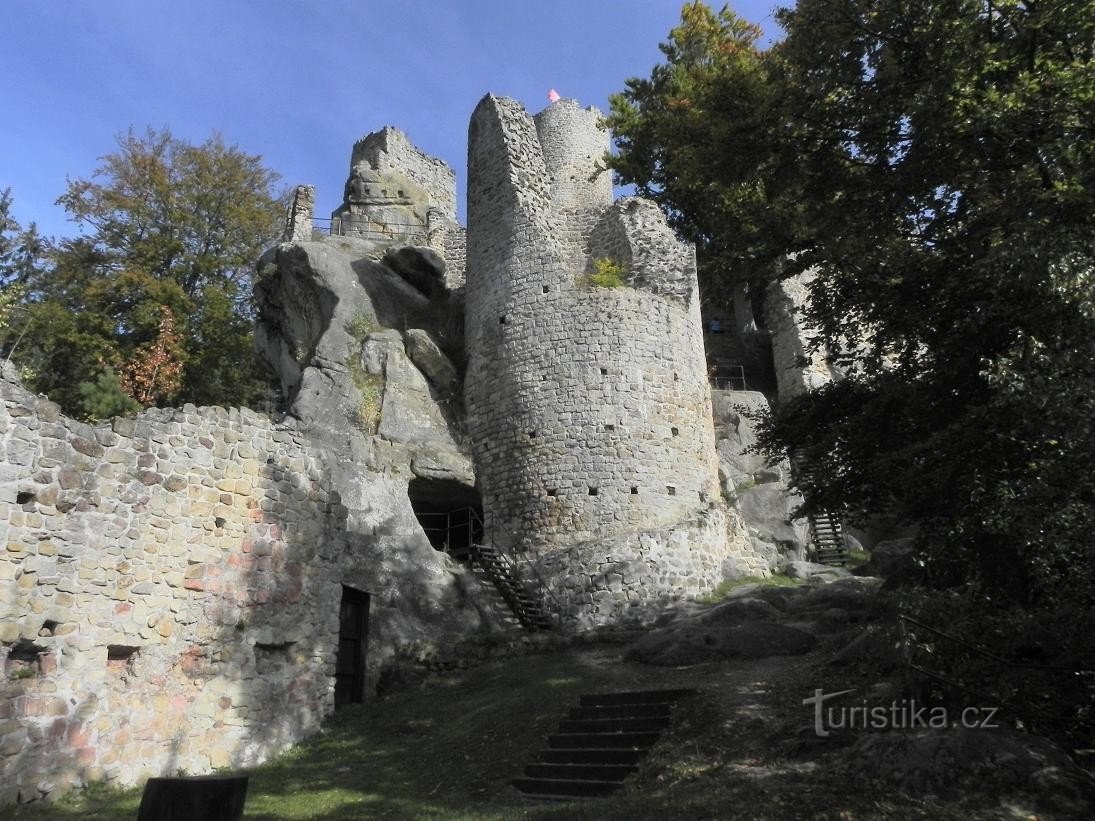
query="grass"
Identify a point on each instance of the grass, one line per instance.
(724, 588)
(448, 750)
(371, 387)
(361, 326)
(606, 273)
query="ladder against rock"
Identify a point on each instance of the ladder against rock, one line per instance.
(599, 744)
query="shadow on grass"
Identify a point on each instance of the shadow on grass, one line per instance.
(450, 749)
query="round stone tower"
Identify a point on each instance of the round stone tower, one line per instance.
(590, 408)
(573, 144)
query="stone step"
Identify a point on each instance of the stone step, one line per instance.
(612, 725)
(581, 772)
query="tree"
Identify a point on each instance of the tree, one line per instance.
(21, 251)
(167, 227)
(700, 138)
(933, 162)
(945, 153)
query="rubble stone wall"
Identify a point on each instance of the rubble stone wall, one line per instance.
(390, 150)
(170, 589)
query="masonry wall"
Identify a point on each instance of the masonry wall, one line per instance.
(588, 407)
(169, 592)
(390, 150)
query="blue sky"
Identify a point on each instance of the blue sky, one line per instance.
(297, 81)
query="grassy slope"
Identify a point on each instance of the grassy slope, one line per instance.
(448, 751)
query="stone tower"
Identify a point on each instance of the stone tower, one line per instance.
(589, 408)
(397, 194)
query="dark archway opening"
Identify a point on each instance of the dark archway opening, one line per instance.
(353, 640)
(451, 514)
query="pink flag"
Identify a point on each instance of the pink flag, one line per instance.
(553, 96)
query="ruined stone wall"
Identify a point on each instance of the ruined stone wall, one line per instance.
(389, 150)
(298, 219)
(588, 407)
(170, 588)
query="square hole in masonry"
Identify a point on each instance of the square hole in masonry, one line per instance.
(671, 490)
(634, 491)
(593, 491)
(553, 493)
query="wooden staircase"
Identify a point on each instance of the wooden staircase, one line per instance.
(828, 533)
(826, 526)
(529, 612)
(599, 744)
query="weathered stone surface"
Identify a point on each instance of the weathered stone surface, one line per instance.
(443, 464)
(810, 570)
(433, 363)
(422, 267)
(759, 491)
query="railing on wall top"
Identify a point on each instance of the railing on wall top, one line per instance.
(388, 231)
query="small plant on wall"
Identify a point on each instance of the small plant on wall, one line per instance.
(371, 387)
(605, 272)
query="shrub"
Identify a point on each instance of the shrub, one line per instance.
(606, 273)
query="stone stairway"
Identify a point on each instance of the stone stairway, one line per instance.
(529, 612)
(599, 744)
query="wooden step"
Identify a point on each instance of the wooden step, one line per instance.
(591, 755)
(649, 710)
(581, 772)
(564, 787)
(636, 741)
(634, 697)
(612, 725)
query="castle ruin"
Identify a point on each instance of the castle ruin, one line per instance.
(196, 588)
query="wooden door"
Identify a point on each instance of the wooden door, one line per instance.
(353, 636)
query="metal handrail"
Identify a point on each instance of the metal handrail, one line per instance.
(337, 226)
(514, 563)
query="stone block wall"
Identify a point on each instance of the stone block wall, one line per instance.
(170, 588)
(574, 144)
(628, 577)
(390, 150)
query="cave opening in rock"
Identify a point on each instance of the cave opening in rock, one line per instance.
(451, 514)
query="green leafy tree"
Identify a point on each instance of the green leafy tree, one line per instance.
(700, 137)
(932, 162)
(21, 252)
(165, 225)
(946, 157)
